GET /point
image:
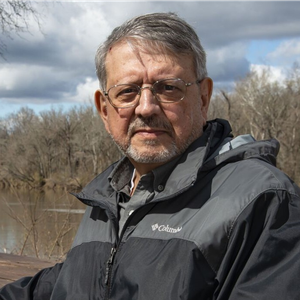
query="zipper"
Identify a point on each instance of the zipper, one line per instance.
(108, 271)
(110, 262)
(113, 251)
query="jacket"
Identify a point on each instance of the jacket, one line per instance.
(225, 225)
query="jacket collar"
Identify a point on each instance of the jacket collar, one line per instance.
(215, 132)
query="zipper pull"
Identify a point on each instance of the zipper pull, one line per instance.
(109, 264)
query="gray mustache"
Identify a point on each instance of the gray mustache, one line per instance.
(151, 122)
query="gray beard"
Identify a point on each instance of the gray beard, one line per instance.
(162, 156)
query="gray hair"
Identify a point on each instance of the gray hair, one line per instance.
(162, 31)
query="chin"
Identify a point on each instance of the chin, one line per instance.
(154, 156)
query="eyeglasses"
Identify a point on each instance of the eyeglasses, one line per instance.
(165, 91)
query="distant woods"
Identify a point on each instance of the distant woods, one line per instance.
(54, 149)
(266, 110)
(67, 149)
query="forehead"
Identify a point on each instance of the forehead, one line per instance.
(130, 56)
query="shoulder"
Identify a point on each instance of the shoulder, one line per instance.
(240, 188)
(252, 177)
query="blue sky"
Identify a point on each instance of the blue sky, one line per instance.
(56, 68)
(258, 50)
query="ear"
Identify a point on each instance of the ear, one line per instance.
(101, 105)
(206, 87)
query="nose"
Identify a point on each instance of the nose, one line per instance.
(148, 104)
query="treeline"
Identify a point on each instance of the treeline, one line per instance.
(54, 148)
(266, 109)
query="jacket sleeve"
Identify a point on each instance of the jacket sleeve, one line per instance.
(38, 287)
(263, 254)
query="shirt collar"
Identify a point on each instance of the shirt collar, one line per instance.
(123, 174)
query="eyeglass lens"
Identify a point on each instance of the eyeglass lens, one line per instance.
(169, 90)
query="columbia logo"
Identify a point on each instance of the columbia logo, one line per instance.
(165, 228)
(155, 226)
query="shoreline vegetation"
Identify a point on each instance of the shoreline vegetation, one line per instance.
(49, 184)
(53, 150)
(57, 150)
(72, 185)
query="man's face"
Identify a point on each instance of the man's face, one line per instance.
(153, 132)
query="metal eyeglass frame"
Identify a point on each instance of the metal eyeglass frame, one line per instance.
(151, 89)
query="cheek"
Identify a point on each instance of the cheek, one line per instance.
(196, 113)
(118, 123)
(187, 120)
(180, 119)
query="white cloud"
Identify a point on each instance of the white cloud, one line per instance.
(287, 49)
(7, 81)
(275, 74)
(58, 66)
(22, 83)
(227, 62)
(84, 91)
(17, 77)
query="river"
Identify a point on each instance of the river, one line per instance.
(38, 224)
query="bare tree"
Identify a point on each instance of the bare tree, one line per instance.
(54, 148)
(266, 109)
(14, 18)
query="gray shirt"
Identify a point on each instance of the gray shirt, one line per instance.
(149, 186)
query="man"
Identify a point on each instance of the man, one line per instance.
(189, 212)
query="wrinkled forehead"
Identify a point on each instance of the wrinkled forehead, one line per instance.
(154, 48)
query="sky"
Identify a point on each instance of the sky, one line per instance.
(53, 67)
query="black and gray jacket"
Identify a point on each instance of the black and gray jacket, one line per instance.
(225, 226)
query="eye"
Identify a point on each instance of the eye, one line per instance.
(168, 87)
(165, 87)
(124, 91)
(127, 91)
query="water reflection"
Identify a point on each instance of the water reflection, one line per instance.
(38, 224)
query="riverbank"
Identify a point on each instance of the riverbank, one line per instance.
(61, 184)
(13, 267)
